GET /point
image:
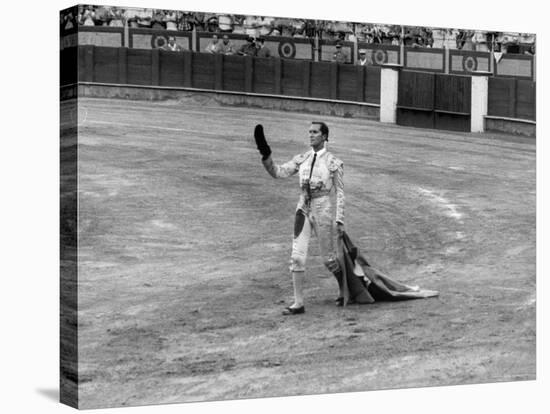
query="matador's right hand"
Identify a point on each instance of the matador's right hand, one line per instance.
(261, 142)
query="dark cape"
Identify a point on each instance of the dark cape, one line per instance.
(365, 284)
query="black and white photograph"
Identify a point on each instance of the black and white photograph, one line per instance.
(259, 204)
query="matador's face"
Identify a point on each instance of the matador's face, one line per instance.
(316, 138)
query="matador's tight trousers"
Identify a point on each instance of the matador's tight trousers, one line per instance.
(316, 219)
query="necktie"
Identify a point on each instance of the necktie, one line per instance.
(312, 164)
(310, 172)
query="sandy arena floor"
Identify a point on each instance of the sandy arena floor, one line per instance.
(184, 243)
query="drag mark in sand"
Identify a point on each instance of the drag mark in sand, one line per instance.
(449, 208)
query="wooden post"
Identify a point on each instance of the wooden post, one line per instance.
(248, 73)
(434, 92)
(155, 67)
(334, 81)
(123, 65)
(218, 72)
(277, 74)
(307, 78)
(512, 102)
(188, 69)
(126, 34)
(360, 76)
(89, 63)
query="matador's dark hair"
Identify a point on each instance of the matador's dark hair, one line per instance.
(323, 128)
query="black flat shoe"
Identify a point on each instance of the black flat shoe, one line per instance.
(294, 311)
(339, 301)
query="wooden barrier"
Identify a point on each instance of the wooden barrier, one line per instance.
(425, 99)
(273, 76)
(512, 98)
(432, 100)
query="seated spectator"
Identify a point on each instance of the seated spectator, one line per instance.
(213, 46)
(172, 46)
(298, 28)
(427, 37)
(451, 36)
(68, 21)
(102, 16)
(417, 41)
(438, 36)
(87, 17)
(226, 47)
(170, 20)
(395, 41)
(284, 27)
(225, 23)
(157, 21)
(186, 22)
(144, 17)
(129, 16)
(376, 35)
(265, 25)
(212, 24)
(310, 28)
(339, 55)
(479, 41)
(263, 51)
(362, 61)
(251, 26)
(238, 24)
(249, 48)
(117, 17)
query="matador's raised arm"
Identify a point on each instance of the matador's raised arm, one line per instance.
(276, 171)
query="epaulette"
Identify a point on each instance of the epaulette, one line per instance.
(298, 159)
(334, 163)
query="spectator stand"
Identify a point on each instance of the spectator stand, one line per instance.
(281, 47)
(327, 48)
(381, 54)
(142, 38)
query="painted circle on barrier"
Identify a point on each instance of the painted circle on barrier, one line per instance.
(469, 63)
(158, 41)
(379, 57)
(287, 50)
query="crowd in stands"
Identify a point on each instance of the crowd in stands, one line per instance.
(260, 26)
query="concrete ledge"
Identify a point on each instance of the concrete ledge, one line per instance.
(201, 96)
(511, 126)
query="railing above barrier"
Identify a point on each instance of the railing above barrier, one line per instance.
(380, 54)
(140, 38)
(425, 59)
(464, 62)
(281, 47)
(450, 61)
